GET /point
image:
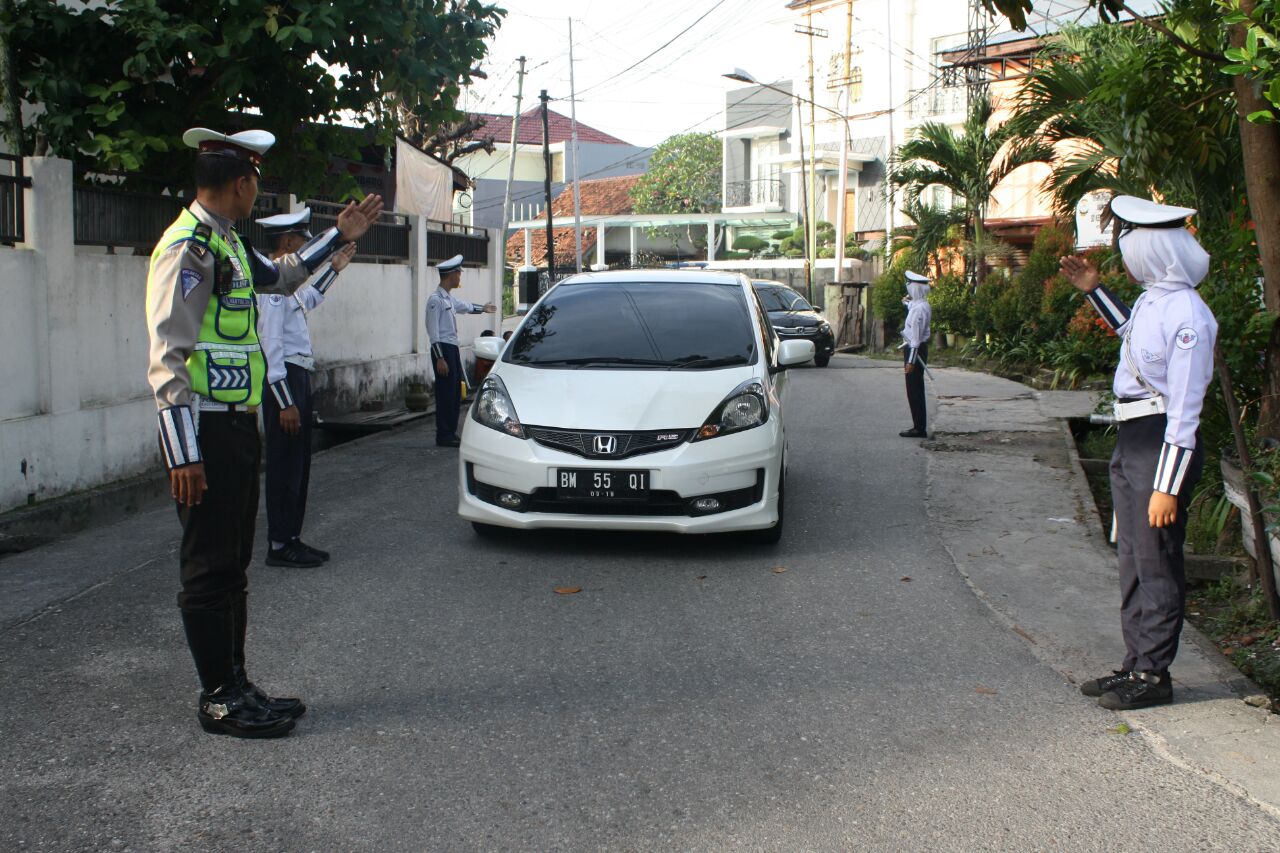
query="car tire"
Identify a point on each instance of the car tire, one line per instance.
(822, 360)
(773, 534)
(487, 531)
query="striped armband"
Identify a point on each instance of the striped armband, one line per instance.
(280, 390)
(437, 351)
(911, 354)
(178, 437)
(1172, 468)
(1109, 307)
(318, 249)
(328, 278)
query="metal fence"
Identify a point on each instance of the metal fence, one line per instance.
(13, 225)
(106, 216)
(386, 242)
(446, 239)
(765, 191)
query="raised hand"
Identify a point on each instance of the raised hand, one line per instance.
(1082, 274)
(342, 257)
(356, 219)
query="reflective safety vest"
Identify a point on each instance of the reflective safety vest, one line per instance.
(227, 364)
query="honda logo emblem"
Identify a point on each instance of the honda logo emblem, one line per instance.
(604, 445)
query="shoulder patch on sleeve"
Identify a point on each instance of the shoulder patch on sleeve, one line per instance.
(190, 281)
(1186, 338)
(275, 299)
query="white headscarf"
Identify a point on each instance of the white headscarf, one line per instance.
(1168, 258)
(918, 291)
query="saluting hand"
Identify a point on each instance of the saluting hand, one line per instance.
(187, 484)
(1082, 274)
(342, 257)
(356, 219)
(1162, 510)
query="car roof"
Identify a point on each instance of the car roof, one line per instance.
(688, 276)
(760, 282)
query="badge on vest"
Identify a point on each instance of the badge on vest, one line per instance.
(1186, 338)
(190, 281)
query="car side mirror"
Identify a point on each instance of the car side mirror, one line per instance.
(491, 347)
(794, 352)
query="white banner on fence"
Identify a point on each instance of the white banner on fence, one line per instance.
(424, 185)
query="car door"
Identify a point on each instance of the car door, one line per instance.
(774, 377)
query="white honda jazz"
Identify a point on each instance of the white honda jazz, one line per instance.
(636, 400)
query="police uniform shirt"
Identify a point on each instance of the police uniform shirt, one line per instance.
(178, 292)
(284, 335)
(1167, 344)
(917, 328)
(442, 322)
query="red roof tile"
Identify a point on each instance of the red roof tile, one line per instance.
(559, 128)
(600, 197)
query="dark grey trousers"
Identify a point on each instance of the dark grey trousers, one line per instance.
(1153, 586)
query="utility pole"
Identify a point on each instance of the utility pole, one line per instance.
(842, 191)
(511, 161)
(577, 195)
(888, 158)
(546, 161)
(12, 95)
(813, 163)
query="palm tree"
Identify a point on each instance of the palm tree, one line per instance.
(934, 229)
(971, 164)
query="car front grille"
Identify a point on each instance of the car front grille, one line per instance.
(625, 444)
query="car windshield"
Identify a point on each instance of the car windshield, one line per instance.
(782, 299)
(611, 324)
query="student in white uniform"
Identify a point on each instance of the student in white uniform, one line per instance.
(286, 404)
(915, 337)
(1166, 365)
(442, 330)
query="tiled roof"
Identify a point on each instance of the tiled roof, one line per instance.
(600, 197)
(559, 128)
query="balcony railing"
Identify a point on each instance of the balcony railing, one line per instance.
(937, 101)
(758, 193)
(446, 239)
(13, 226)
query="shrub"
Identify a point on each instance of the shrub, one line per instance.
(950, 302)
(750, 243)
(886, 296)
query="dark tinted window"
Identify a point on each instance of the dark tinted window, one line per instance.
(775, 298)
(638, 324)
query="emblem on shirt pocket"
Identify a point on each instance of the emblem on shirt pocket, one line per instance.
(1186, 338)
(190, 280)
(1152, 357)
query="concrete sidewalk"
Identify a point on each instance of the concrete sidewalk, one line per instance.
(1008, 494)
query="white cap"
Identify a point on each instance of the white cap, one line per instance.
(249, 145)
(282, 222)
(450, 265)
(916, 277)
(1146, 214)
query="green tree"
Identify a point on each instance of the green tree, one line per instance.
(934, 230)
(970, 163)
(121, 80)
(683, 177)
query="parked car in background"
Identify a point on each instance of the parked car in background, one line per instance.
(793, 318)
(633, 400)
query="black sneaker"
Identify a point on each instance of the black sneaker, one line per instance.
(292, 556)
(913, 433)
(1106, 684)
(323, 555)
(449, 442)
(1140, 690)
(229, 711)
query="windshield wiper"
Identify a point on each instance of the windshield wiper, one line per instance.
(722, 361)
(583, 362)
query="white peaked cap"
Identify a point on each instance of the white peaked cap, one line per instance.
(250, 145)
(287, 220)
(1141, 212)
(916, 277)
(449, 265)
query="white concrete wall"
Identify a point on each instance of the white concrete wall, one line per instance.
(76, 409)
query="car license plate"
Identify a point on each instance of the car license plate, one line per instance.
(594, 484)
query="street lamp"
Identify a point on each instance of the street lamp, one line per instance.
(743, 76)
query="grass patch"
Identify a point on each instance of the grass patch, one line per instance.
(1235, 617)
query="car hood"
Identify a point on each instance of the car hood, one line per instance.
(616, 398)
(795, 319)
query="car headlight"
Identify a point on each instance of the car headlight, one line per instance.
(824, 328)
(494, 409)
(743, 409)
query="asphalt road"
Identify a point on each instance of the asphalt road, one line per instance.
(690, 697)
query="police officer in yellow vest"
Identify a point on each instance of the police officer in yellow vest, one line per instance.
(206, 371)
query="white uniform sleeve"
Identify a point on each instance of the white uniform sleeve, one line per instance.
(433, 324)
(271, 314)
(1191, 332)
(310, 297)
(1110, 308)
(466, 307)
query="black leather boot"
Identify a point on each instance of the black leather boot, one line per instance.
(292, 708)
(225, 708)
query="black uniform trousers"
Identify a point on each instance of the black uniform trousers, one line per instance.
(1153, 586)
(288, 459)
(448, 392)
(217, 533)
(915, 386)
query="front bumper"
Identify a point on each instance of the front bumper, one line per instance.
(824, 343)
(741, 471)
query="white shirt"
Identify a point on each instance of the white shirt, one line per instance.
(442, 320)
(917, 329)
(282, 328)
